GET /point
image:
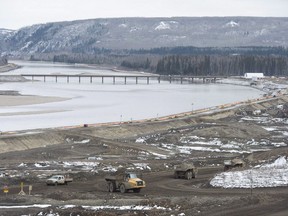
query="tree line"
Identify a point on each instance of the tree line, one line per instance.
(191, 50)
(231, 61)
(223, 65)
(3, 61)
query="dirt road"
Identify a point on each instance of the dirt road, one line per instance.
(193, 197)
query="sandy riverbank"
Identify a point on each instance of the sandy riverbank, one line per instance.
(18, 100)
(8, 67)
(13, 98)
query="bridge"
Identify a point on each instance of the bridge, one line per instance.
(124, 78)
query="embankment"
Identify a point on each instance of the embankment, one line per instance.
(141, 128)
(24, 141)
(19, 141)
(8, 67)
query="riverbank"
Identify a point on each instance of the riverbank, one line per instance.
(8, 67)
(97, 103)
(13, 98)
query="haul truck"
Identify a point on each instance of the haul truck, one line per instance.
(124, 181)
(185, 170)
(234, 163)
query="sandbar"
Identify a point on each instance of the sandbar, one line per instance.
(19, 100)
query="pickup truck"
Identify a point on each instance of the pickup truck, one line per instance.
(58, 180)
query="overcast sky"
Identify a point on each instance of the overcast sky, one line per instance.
(15, 14)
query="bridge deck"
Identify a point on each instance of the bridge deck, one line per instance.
(169, 78)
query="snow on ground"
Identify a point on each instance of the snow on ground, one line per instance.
(92, 166)
(26, 206)
(93, 208)
(188, 144)
(142, 166)
(163, 25)
(267, 175)
(265, 120)
(69, 140)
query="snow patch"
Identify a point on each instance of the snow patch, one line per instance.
(22, 165)
(6, 31)
(26, 206)
(86, 165)
(142, 166)
(94, 208)
(140, 140)
(133, 29)
(162, 26)
(159, 156)
(41, 165)
(71, 140)
(232, 24)
(266, 175)
(123, 25)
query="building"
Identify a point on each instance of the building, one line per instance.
(253, 76)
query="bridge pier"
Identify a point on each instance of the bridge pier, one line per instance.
(167, 78)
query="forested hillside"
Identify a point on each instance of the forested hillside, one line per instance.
(272, 61)
(96, 35)
(3, 61)
(177, 45)
(223, 65)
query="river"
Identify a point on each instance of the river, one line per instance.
(90, 103)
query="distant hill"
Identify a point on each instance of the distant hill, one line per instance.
(4, 34)
(92, 36)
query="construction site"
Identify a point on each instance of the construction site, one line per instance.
(255, 132)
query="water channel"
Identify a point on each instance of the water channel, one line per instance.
(89, 103)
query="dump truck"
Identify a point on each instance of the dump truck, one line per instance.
(58, 180)
(234, 163)
(124, 182)
(185, 170)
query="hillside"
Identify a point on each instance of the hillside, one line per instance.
(3, 61)
(94, 36)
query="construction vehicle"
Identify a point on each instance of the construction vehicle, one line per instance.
(185, 170)
(58, 180)
(234, 163)
(124, 181)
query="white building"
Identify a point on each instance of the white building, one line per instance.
(253, 76)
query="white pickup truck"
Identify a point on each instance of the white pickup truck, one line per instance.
(58, 180)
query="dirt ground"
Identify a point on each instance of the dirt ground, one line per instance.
(35, 155)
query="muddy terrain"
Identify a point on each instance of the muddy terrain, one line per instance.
(255, 132)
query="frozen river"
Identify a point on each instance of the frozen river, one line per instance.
(97, 103)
